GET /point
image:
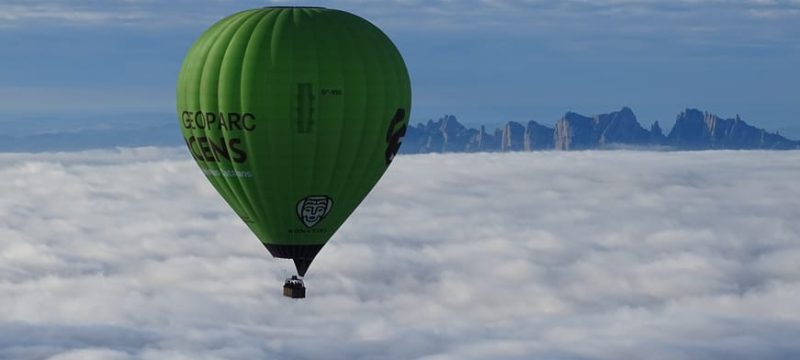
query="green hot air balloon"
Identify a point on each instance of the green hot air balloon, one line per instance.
(293, 114)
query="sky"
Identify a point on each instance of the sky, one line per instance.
(131, 254)
(487, 62)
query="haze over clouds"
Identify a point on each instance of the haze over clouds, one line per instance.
(130, 254)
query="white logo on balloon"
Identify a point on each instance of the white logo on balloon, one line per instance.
(312, 209)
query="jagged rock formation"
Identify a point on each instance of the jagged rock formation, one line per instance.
(444, 135)
(513, 137)
(484, 141)
(657, 135)
(574, 132)
(538, 137)
(696, 130)
(578, 132)
(693, 130)
(621, 127)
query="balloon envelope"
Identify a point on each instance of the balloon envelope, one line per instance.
(293, 114)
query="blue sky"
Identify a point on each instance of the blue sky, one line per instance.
(484, 61)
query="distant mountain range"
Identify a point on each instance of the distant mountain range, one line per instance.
(693, 130)
(84, 132)
(167, 135)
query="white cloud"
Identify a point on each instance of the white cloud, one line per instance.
(130, 254)
(59, 11)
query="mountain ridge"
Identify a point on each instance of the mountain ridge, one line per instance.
(693, 130)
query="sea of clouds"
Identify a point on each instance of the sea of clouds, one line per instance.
(130, 254)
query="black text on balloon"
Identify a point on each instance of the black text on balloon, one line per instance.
(232, 121)
(394, 137)
(209, 150)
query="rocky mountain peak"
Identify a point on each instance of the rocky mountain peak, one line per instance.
(513, 137)
(449, 123)
(656, 134)
(690, 130)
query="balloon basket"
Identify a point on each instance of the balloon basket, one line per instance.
(294, 288)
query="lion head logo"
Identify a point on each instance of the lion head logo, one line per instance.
(312, 209)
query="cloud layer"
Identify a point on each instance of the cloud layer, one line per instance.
(130, 254)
